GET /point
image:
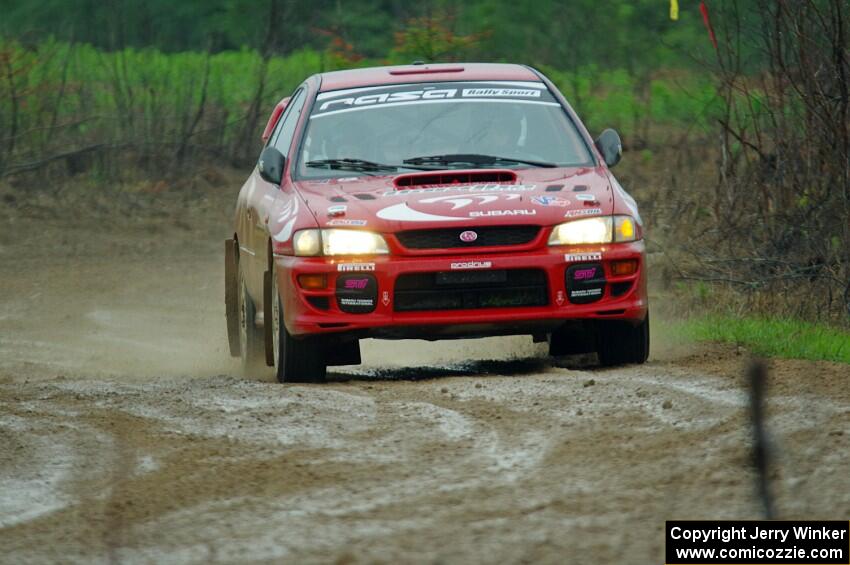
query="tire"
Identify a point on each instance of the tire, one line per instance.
(269, 329)
(621, 343)
(250, 338)
(295, 360)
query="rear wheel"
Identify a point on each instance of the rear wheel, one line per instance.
(295, 360)
(621, 343)
(251, 344)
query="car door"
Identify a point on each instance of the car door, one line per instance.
(260, 197)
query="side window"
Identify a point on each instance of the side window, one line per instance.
(282, 138)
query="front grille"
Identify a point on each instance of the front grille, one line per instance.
(449, 238)
(474, 289)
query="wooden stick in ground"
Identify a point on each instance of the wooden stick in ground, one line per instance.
(761, 450)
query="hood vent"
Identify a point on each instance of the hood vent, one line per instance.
(454, 177)
(364, 196)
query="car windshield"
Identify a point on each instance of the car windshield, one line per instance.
(382, 130)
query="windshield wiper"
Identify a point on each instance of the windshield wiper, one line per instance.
(473, 159)
(359, 165)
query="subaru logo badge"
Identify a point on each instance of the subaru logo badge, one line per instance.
(468, 236)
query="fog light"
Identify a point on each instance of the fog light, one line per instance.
(313, 282)
(623, 268)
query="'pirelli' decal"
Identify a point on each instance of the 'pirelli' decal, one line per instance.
(355, 267)
(582, 257)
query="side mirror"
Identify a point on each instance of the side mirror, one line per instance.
(610, 146)
(271, 165)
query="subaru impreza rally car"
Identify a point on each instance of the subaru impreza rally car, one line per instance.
(432, 202)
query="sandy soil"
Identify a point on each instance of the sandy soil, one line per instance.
(127, 434)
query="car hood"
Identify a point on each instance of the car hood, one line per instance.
(459, 198)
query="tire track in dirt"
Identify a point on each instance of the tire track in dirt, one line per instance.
(126, 434)
(527, 465)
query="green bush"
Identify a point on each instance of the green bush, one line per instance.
(63, 96)
(614, 98)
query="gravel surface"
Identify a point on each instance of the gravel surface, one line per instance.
(127, 434)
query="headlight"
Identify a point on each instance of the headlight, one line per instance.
(595, 230)
(307, 243)
(589, 230)
(352, 242)
(338, 242)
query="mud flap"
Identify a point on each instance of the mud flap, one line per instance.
(268, 317)
(231, 295)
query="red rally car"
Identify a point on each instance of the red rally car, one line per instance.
(432, 202)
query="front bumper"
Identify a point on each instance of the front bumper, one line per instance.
(308, 312)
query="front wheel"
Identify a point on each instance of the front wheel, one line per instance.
(621, 343)
(295, 360)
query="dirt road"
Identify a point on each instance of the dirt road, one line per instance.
(127, 434)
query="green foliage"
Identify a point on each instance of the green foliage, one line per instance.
(633, 34)
(431, 38)
(187, 25)
(124, 71)
(779, 337)
(65, 96)
(636, 35)
(142, 98)
(613, 98)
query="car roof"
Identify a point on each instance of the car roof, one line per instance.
(442, 72)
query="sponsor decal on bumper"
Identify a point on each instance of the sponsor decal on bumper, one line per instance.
(580, 257)
(472, 265)
(355, 267)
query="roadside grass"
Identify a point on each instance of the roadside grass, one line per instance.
(776, 337)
